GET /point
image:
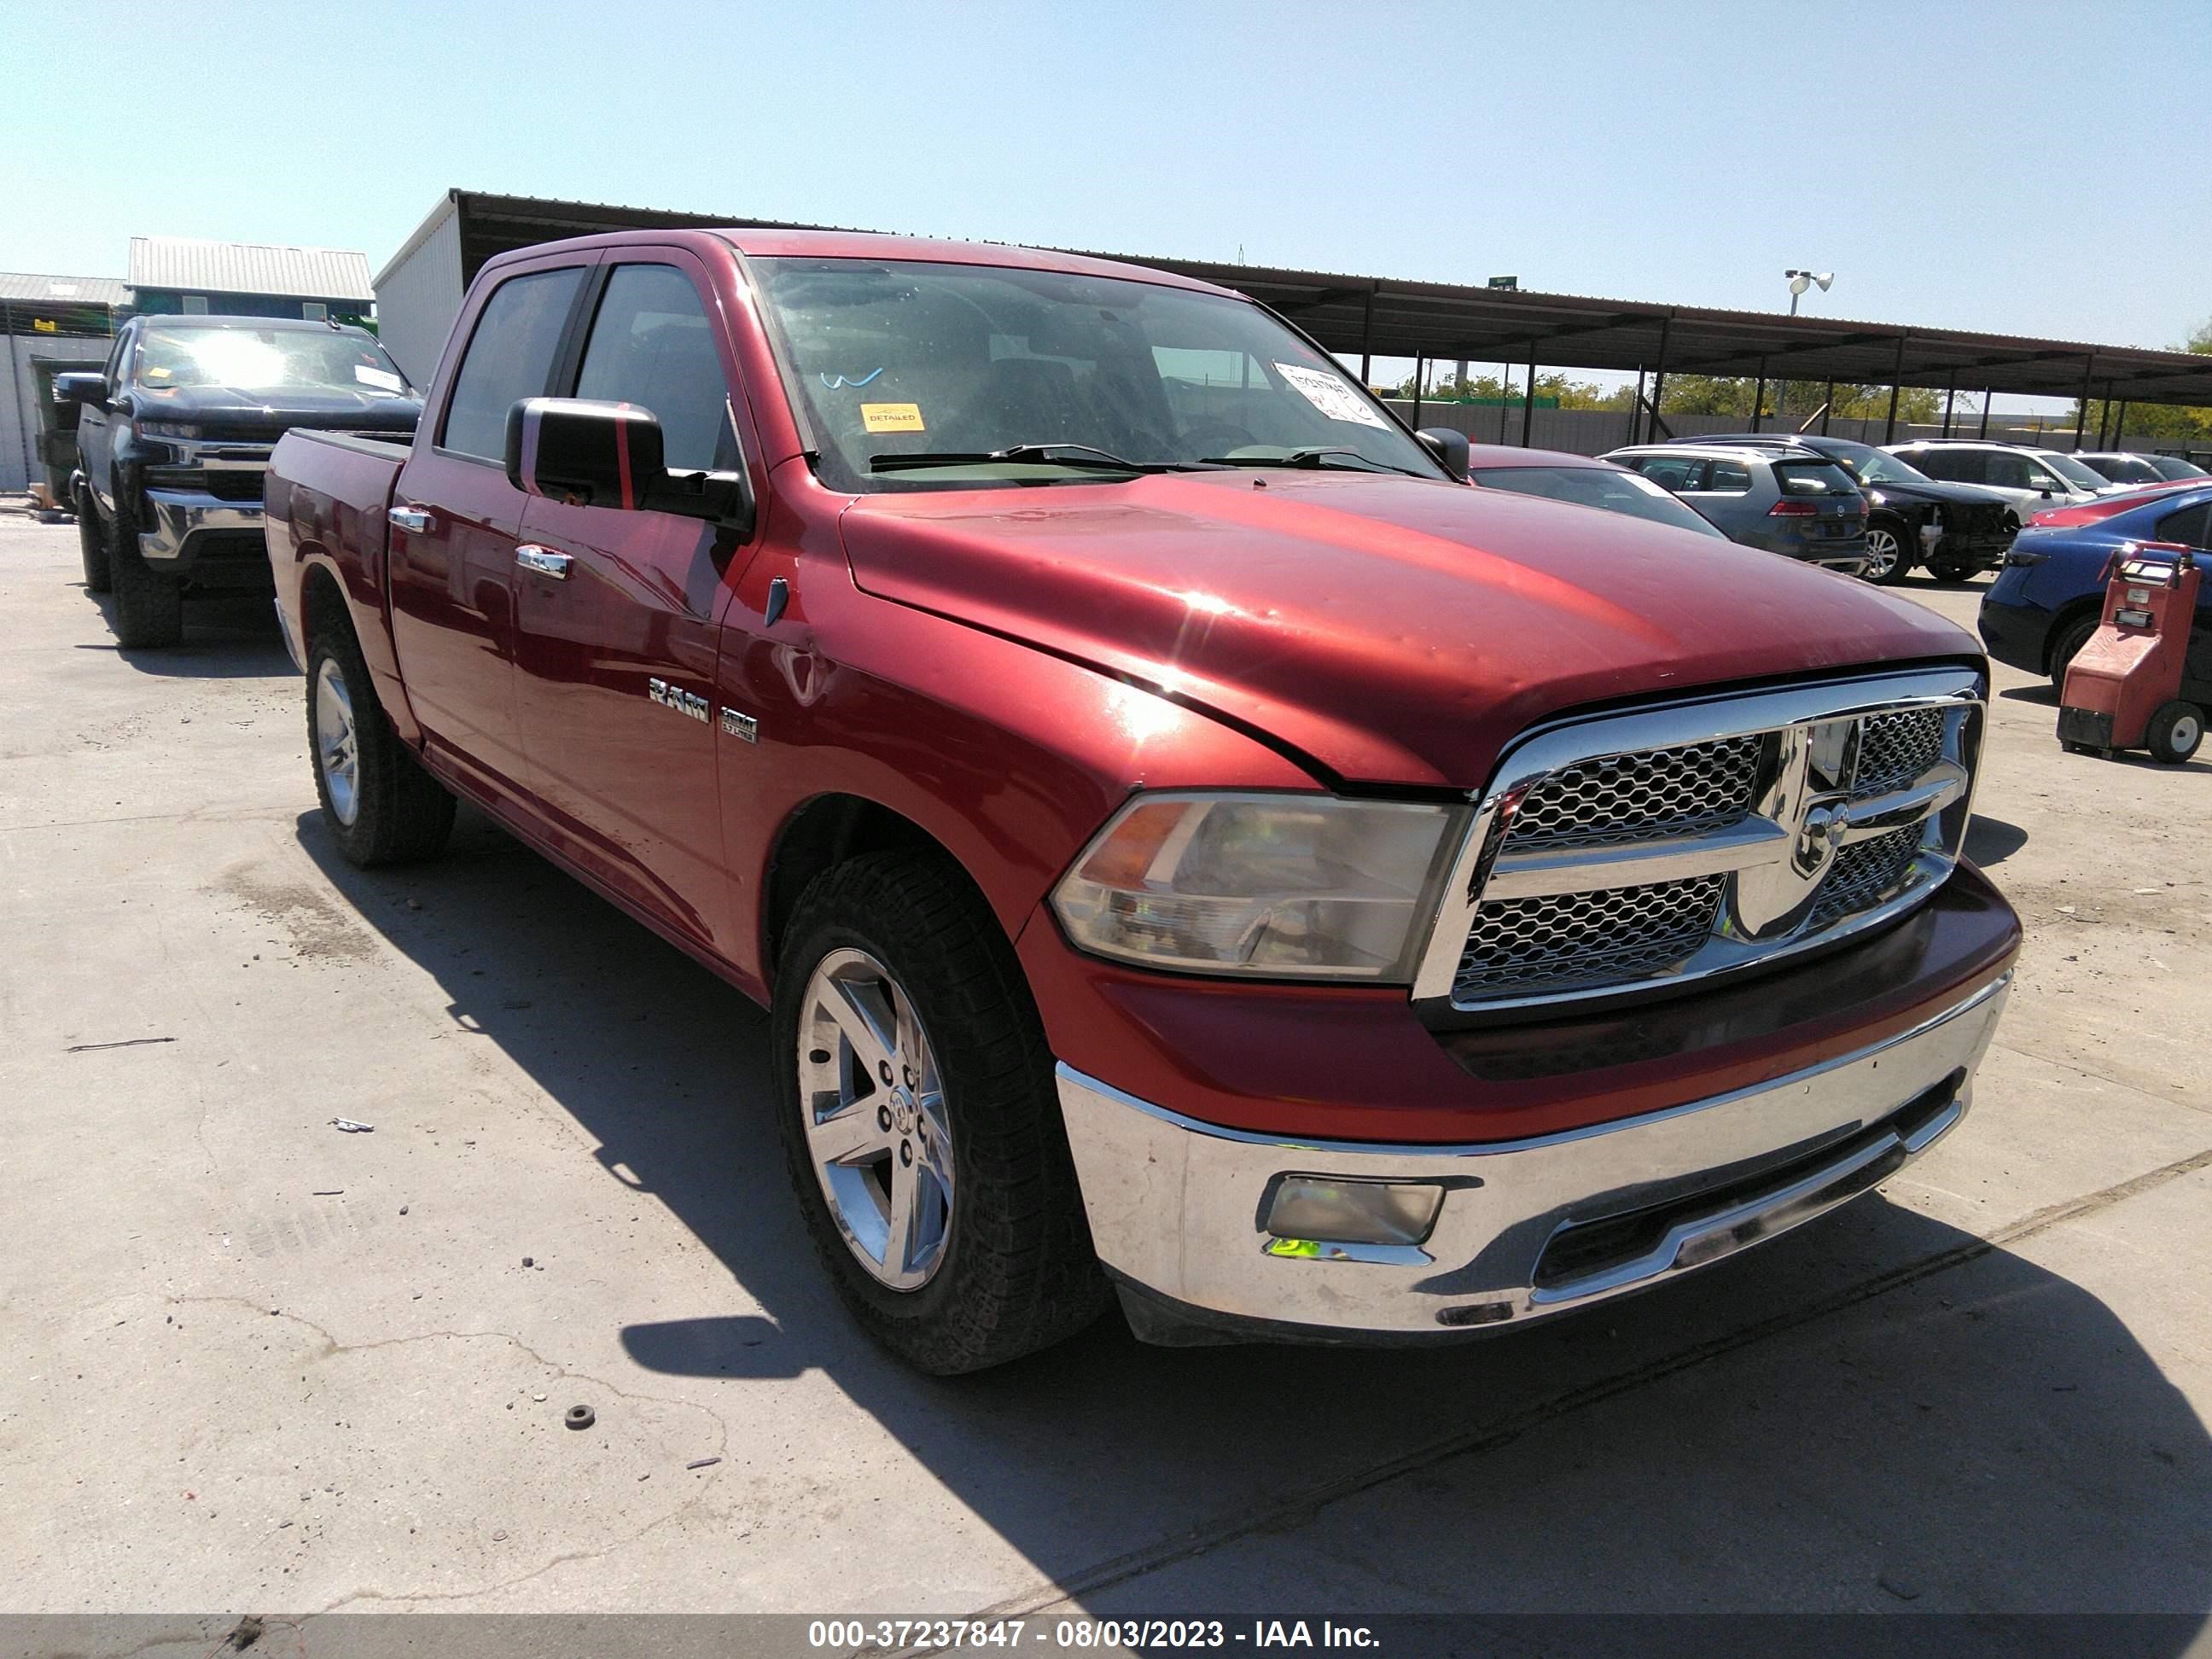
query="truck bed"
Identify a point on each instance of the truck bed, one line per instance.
(327, 494)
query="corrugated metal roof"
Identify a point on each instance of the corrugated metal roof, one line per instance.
(22, 286)
(312, 273)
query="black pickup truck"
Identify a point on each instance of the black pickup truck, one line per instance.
(173, 438)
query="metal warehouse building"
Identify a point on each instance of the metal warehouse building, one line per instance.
(419, 291)
(173, 273)
(52, 325)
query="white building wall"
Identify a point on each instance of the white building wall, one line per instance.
(19, 408)
(417, 297)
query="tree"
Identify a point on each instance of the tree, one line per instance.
(1709, 394)
(2175, 425)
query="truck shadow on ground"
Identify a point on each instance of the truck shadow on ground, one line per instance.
(1992, 841)
(1878, 1396)
(234, 636)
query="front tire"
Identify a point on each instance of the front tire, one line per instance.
(1887, 563)
(150, 604)
(379, 804)
(89, 545)
(1950, 570)
(2176, 729)
(2068, 647)
(920, 1123)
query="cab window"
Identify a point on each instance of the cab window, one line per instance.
(652, 345)
(510, 357)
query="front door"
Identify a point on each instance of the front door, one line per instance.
(455, 521)
(616, 615)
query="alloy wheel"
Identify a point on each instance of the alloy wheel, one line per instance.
(875, 1118)
(1881, 554)
(337, 744)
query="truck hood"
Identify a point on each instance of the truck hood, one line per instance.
(233, 412)
(1390, 631)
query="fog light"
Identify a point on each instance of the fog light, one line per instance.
(1325, 1208)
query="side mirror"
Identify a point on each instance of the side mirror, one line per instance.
(602, 454)
(1448, 446)
(85, 391)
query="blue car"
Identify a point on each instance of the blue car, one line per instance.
(2046, 601)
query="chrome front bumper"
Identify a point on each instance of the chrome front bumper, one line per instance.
(1178, 1208)
(181, 514)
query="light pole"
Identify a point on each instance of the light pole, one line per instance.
(1799, 282)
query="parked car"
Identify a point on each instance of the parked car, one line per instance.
(1957, 530)
(2128, 467)
(1194, 847)
(1794, 502)
(2105, 506)
(2047, 601)
(1584, 481)
(2031, 479)
(174, 434)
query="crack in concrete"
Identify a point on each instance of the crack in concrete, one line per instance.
(1299, 1507)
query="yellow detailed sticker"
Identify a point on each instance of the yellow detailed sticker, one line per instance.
(892, 417)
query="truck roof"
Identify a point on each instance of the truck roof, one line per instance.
(769, 241)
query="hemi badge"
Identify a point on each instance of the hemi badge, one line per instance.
(740, 726)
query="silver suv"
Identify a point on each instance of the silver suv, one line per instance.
(2031, 479)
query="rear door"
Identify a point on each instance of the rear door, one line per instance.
(456, 521)
(95, 426)
(616, 612)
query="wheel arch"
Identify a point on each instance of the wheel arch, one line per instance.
(2087, 608)
(817, 835)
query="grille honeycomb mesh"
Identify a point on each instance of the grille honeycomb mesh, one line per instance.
(1863, 874)
(1639, 796)
(1565, 940)
(1896, 749)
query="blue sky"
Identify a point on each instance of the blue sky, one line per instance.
(2023, 168)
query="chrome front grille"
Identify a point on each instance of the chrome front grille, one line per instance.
(1895, 748)
(1565, 939)
(1667, 844)
(1652, 792)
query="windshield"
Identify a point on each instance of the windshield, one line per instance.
(1613, 489)
(2080, 476)
(912, 375)
(1875, 466)
(268, 359)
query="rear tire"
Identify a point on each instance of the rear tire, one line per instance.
(150, 604)
(2176, 729)
(1950, 570)
(379, 804)
(89, 545)
(2067, 647)
(1002, 1263)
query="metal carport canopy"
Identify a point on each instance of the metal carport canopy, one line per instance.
(1385, 317)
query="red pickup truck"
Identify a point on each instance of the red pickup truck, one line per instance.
(1195, 847)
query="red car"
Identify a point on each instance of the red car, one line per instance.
(1194, 849)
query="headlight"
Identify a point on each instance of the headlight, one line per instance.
(1275, 886)
(167, 430)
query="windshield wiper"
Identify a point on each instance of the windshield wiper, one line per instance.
(1086, 457)
(1313, 459)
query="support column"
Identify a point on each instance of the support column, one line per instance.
(2081, 408)
(1529, 403)
(1659, 380)
(1636, 408)
(2120, 427)
(1986, 412)
(1420, 373)
(1950, 393)
(1827, 408)
(1367, 340)
(1759, 395)
(1896, 385)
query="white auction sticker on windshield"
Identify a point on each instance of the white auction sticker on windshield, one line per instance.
(382, 379)
(1330, 395)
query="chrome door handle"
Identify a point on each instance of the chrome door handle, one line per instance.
(543, 559)
(411, 518)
